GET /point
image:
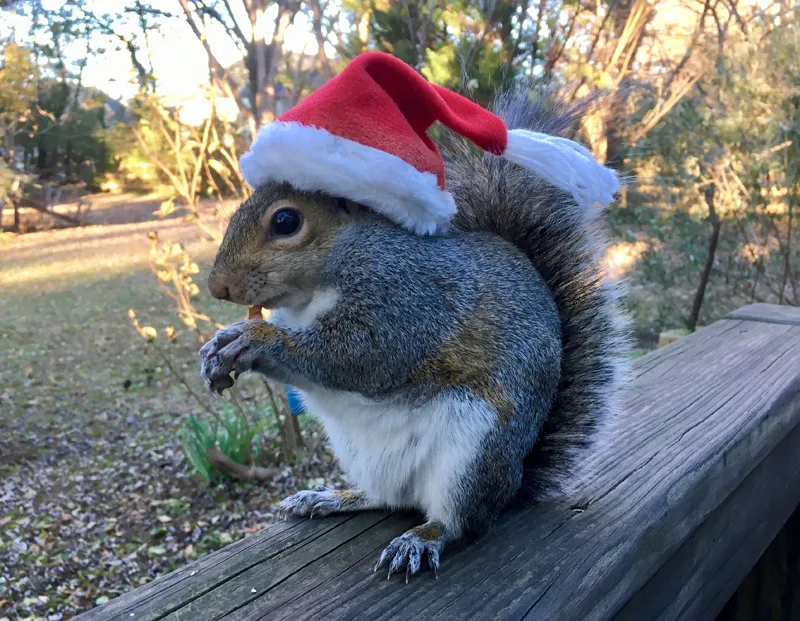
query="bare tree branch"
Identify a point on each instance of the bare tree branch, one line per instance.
(237, 471)
(219, 75)
(230, 25)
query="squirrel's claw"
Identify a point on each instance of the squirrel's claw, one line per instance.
(233, 351)
(220, 384)
(320, 501)
(382, 560)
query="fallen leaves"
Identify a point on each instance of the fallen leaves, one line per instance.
(93, 516)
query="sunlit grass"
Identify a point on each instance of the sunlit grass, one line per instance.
(64, 298)
(70, 272)
(92, 255)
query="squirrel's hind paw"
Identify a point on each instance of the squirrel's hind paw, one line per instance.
(408, 550)
(323, 501)
(319, 501)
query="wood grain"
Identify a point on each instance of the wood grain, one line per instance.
(699, 470)
(699, 578)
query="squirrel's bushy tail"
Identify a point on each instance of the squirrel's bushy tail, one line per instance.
(566, 244)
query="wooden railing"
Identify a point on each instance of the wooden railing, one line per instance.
(703, 472)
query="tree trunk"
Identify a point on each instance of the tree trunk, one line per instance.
(323, 63)
(41, 160)
(260, 50)
(266, 58)
(616, 143)
(716, 224)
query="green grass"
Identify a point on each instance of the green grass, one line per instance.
(64, 324)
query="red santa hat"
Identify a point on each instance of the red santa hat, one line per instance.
(362, 136)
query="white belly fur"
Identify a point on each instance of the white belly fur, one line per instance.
(404, 457)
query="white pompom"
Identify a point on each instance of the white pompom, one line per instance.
(565, 164)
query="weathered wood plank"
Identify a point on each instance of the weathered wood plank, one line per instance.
(298, 566)
(706, 420)
(769, 313)
(703, 574)
(187, 584)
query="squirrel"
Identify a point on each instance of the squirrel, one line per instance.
(461, 360)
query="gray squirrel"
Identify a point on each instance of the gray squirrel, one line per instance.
(456, 370)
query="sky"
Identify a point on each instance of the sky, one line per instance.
(178, 58)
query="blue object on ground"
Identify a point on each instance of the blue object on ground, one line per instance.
(296, 406)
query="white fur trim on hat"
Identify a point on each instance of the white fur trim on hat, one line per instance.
(313, 159)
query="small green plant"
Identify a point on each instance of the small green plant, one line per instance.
(230, 442)
(231, 433)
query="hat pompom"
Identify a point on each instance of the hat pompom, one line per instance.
(565, 164)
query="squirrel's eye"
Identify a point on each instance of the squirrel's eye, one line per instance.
(286, 221)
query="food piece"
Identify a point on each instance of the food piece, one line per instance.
(254, 312)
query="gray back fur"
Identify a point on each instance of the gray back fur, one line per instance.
(566, 244)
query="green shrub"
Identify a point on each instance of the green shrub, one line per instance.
(231, 432)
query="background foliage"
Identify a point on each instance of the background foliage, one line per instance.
(698, 109)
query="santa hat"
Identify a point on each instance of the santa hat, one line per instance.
(362, 136)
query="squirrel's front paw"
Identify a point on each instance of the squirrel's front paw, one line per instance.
(233, 349)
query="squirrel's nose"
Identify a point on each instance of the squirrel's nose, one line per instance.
(218, 289)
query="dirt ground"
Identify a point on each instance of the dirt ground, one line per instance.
(96, 496)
